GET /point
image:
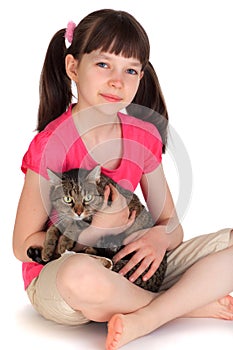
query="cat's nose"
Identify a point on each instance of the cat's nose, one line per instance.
(79, 210)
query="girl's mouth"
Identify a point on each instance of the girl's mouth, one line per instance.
(111, 98)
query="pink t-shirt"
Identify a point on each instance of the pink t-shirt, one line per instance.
(59, 147)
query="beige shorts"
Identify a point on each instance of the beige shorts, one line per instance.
(46, 299)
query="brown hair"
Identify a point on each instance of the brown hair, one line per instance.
(111, 31)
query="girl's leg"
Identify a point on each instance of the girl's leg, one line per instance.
(86, 285)
(209, 279)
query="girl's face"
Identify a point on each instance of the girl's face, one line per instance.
(105, 78)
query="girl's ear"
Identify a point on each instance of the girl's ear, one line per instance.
(71, 67)
(141, 75)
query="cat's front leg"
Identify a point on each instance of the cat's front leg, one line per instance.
(34, 253)
(50, 243)
(69, 237)
(65, 243)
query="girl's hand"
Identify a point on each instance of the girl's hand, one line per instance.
(114, 218)
(149, 247)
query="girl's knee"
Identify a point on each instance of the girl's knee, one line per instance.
(84, 277)
(74, 268)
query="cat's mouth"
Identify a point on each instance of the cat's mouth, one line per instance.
(78, 217)
(83, 216)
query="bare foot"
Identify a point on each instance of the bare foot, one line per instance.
(222, 308)
(124, 328)
(115, 330)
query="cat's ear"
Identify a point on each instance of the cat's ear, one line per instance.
(54, 178)
(94, 175)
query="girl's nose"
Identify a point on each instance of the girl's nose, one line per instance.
(116, 81)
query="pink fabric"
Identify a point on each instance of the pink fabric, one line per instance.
(60, 148)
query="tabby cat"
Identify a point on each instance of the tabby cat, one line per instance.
(76, 195)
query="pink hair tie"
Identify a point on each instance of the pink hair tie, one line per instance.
(70, 31)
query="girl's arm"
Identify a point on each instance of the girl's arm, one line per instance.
(34, 206)
(160, 204)
(150, 245)
(31, 215)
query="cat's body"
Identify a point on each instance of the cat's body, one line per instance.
(76, 195)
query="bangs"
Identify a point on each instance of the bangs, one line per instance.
(120, 34)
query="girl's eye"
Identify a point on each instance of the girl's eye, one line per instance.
(102, 65)
(68, 200)
(88, 198)
(132, 71)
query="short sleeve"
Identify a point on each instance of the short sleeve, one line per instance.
(45, 151)
(32, 157)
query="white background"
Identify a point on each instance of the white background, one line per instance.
(191, 50)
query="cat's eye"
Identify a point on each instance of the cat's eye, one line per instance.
(88, 197)
(68, 199)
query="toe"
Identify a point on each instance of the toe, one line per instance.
(226, 301)
(115, 329)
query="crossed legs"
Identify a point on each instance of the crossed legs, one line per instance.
(189, 297)
(132, 312)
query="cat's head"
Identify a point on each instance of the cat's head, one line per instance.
(75, 193)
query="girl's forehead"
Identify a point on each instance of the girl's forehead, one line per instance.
(106, 55)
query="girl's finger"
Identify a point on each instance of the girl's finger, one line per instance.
(129, 266)
(154, 266)
(114, 192)
(145, 263)
(132, 216)
(106, 193)
(130, 248)
(137, 258)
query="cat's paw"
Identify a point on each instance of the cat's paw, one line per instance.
(90, 250)
(65, 243)
(35, 255)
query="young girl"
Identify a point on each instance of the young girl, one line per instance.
(108, 60)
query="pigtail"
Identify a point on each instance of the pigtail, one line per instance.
(55, 86)
(150, 95)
